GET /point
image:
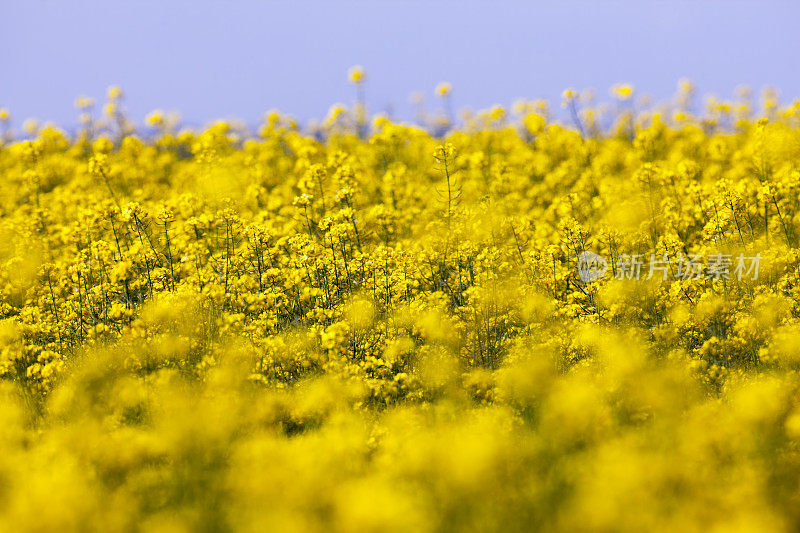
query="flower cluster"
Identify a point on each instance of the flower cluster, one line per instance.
(371, 326)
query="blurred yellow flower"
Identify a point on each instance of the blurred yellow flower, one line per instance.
(622, 91)
(443, 89)
(356, 74)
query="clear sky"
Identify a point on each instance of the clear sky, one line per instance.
(215, 59)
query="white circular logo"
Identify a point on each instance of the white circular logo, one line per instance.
(591, 266)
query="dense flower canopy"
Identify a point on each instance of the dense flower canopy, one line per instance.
(377, 326)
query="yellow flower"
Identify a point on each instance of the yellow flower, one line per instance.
(102, 146)
(114, 92)
(30, 126)
(399, 342)
(685, 85)
(84, 102)
(111, 110)
(622, 91)
(444, 152)
(155, 118)
(356, 74)
(443, 89)
(497, 113)
(335, 112)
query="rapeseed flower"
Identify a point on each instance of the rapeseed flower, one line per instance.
(355, 329)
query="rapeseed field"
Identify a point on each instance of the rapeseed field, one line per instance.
(569, 317)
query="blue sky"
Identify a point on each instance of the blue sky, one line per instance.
(215, 59)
